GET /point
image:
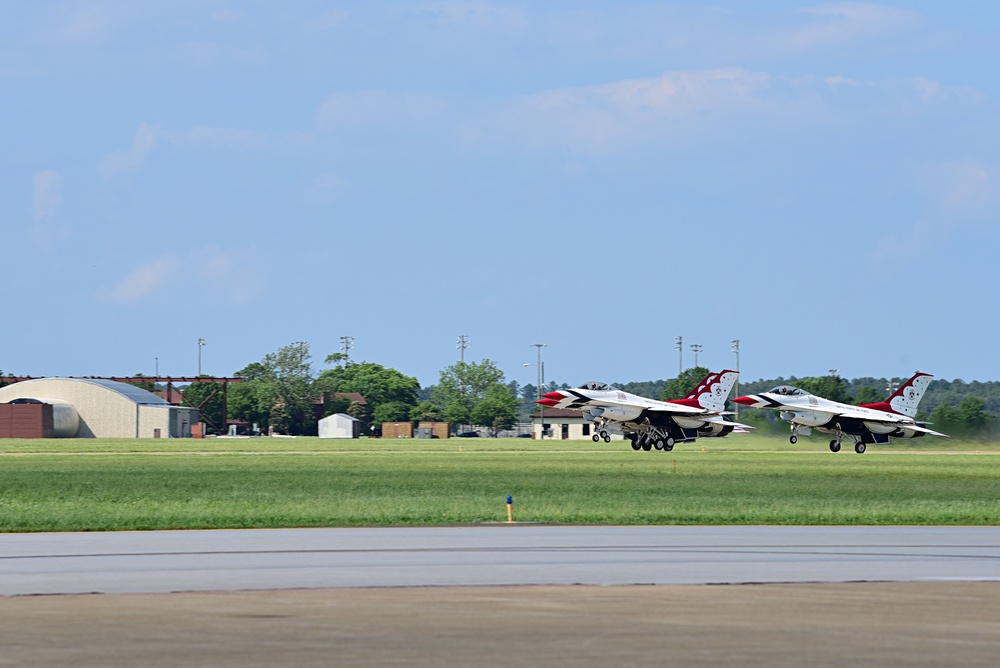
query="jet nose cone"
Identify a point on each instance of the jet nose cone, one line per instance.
(548, 402)
(745, 401)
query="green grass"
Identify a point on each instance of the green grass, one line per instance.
(93, 485)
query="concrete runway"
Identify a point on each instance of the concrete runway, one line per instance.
(498, 595)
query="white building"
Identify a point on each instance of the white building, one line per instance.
(106, 408)
(563, 424)
(339, 425)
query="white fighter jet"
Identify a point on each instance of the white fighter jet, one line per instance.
(865, 424)
(648, 423)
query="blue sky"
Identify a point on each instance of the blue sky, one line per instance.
(818, 180)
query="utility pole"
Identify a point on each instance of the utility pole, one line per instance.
(680, 354)
(736, 349)
(463, 343)
(541, 380)
(697, 348)
(201, 344)
(346, 343)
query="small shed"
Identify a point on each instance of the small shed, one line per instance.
(339, 425)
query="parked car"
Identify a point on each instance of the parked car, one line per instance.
(468, 434)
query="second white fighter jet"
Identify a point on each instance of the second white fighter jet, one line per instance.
(649, 423)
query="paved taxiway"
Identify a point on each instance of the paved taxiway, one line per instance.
(360, 597)
(489, 555)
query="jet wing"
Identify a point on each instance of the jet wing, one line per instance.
(651, 405)
(902, 422)
(925, 430)
(729, 423)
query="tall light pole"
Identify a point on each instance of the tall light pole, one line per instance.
(463, 343)
(736, 349)
(680, 354)
(201, 344)
(541, 380)
(697, 348)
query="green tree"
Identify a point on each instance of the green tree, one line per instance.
(149, 386)
(868, 395)
(279, 387)
(464, 385)
(376, 383)
(207, 398)
(426, 411)
(945, 416)
(829, 387)
(251, 401)
(497, 410)
(360, 411)
(680, 387)
(335, 405)
(391, 411)
(972, 413)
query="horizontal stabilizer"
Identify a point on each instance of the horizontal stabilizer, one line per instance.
(728, 423)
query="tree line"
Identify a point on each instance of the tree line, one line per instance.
(282, 390)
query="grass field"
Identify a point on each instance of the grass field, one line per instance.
(92, 485)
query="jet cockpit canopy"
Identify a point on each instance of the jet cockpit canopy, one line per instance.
(789, 391)
(595, 386)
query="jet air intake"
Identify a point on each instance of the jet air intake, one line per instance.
(807, 418)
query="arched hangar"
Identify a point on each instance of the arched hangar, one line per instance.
(94, 408)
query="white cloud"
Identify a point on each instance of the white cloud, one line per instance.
(132, 158)
(142, 282)
(82, 22)
(328, 20)
(839, 81)
(227, 15)
(377, 107)
(479, 12)
(607, 115)
(967, 186)
(231, 277)
(324, 188)
(845, 22)
(46, 201)
(204, 135)
(47, 194)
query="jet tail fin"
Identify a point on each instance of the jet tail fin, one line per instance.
(905, 400)
(712, 391)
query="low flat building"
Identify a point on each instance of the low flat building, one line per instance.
(95, 408)
(563, 424)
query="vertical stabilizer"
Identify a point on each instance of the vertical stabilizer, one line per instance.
(905, 400)
(711, 393)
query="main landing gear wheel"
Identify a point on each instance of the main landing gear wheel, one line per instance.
(834, 446)
(647, 446)
(793, 439)
(658, 444)
(859, 448)
(636, 445)
(669, 445)
(607, 439)
(596, 438)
